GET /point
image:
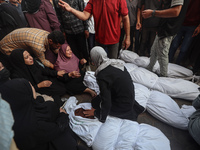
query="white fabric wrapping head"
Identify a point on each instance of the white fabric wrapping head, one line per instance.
(100, 59)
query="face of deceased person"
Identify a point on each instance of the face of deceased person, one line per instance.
(28, 59)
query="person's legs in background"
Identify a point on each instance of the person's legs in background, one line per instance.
(144, 40)
(187, 40)
(111, 50)
(82, 47)
(163, 52)
(78, 45)
(175, 44)
(91, 41)
(193, 53)
(152, 35)
(71, 40)
(132, 30)
(153, 56)
(137, 41)
(121, 38)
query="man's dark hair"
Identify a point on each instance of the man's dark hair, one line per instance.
(57, 37)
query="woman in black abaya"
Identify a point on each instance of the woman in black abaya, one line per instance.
(39, 124)
(43, 80)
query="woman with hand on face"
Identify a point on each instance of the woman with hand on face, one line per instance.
(68, 62)
(38, 124)
(44, 80)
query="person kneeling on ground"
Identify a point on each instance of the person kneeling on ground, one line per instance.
(117, 96)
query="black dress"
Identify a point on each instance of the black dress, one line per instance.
(35, 74)
(74, 85)
(38, 125)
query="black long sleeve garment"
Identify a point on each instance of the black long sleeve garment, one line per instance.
(117, 96)
(73, 85)
(36, 74)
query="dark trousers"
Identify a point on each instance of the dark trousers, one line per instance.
(91, 41)
(148, 36)
(132, 30)
(137, 40)
(78, 45)
(111, 50)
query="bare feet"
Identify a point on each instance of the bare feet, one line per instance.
(91, 92)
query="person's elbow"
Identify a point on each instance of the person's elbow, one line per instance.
(176, 11)
(85, 16)
(125, 18)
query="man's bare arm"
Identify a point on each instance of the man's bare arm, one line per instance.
(126, 23)
(81, 15)
(139, 19)
(167, 13)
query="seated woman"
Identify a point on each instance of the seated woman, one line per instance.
(38, 125)
(74, 78)
(44, 80)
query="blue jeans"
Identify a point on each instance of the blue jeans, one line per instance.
(185, 36)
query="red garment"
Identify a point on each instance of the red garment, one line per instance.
(45, 18)
(65, 63)
(192, 17)
(106, 15)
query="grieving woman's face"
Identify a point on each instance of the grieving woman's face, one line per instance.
(68, 52)
(28, 59)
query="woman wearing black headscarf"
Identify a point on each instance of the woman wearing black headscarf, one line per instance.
(38, 125)
(44, 80)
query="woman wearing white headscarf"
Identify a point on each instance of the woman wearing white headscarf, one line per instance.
(117, 96)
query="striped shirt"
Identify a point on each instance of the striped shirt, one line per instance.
(31, 39)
